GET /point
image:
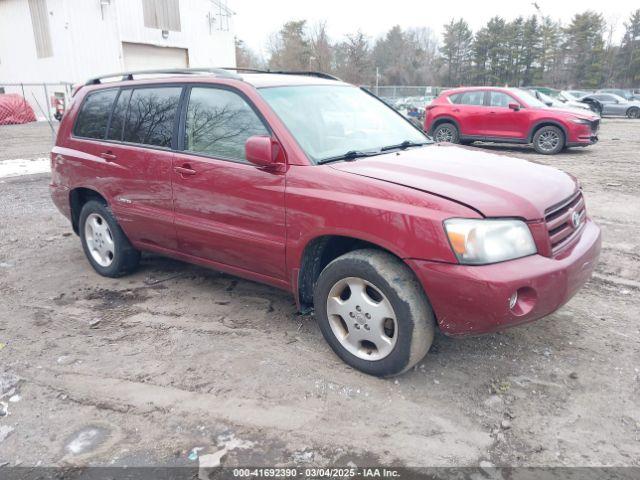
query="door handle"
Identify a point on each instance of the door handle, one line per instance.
(456, 109)
(184, 170)
(109, 156)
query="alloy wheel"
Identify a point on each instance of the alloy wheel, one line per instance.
(444, 134)
(548, 140)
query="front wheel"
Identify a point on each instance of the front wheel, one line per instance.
(548, 140)
(446, 132)
(373, 312)
(633, 112)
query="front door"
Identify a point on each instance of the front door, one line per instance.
(227, 210)
(502, 121)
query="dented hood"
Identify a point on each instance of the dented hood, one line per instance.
(494, 185)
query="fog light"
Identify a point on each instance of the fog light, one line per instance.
(513, 299)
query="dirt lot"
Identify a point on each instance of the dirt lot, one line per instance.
(144, 369)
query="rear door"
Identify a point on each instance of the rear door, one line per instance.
(123, 141)
(227, 210)
(502, 121)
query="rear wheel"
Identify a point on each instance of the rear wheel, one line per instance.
(104, 243)
(548, 140)
(446, 132)
(633, 112)
(373, 312)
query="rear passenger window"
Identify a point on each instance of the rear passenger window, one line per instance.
(94, 114)
(472, 98)
(119, 116)
(219, 122)
(151, 116)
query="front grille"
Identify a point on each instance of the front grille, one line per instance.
(565, 220)
(595, 125)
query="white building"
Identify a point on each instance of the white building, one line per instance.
(71, 40)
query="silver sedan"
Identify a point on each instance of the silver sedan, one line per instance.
(615, 105)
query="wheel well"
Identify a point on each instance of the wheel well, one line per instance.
(317, 255)
(77, 198)
(548, 124)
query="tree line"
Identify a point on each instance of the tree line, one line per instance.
(535, 50)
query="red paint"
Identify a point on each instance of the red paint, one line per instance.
(255, 220)
(513, 123)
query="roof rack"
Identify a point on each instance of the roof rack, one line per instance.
(225, 72)
(285, 72)
(221, 72)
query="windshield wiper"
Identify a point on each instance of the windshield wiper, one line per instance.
(404, 145)
(350, 155)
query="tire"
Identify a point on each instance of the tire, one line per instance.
(446, 132)
(548, 140)
(633, 112)
(386, 299)
(104, 243)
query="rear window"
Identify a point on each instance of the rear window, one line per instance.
(119, 116)
(94, 114)
(151, 116)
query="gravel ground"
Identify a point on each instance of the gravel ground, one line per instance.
(145, 369)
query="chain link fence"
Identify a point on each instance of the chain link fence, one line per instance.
(395, 93)
(27, 102)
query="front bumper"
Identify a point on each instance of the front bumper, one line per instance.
(470, 300)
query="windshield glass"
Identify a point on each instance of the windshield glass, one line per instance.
(528, 98)
(330, 120)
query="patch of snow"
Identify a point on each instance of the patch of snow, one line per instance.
(21, 166)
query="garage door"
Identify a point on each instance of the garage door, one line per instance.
(140, 56)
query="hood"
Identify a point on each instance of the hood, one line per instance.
(494, 185)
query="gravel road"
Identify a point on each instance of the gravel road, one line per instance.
(177, 361)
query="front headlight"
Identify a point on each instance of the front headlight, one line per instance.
(581, 121)
(478, 242)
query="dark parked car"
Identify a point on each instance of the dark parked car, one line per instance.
(316, 187)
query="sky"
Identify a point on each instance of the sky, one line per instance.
(256, 20)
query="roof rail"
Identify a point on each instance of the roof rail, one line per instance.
(221, 72)
(285, 72)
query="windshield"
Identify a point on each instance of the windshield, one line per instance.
(528, 98)
(329, 121)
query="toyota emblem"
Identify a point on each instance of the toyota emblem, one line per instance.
(575, 219)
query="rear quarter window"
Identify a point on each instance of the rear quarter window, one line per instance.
(94, 114)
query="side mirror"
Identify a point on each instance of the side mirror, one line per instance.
(514, 106)
(261, 151)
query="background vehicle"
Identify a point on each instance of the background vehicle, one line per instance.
(560, 101)
(613, 104)
(508, 115)
(627, 94)
(303, 182)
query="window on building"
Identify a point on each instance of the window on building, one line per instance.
(219, 122)
(162, 14)
(151, 117)
(94, 114)
(40, 23)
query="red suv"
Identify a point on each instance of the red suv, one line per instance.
(317, 187)
(508, 115)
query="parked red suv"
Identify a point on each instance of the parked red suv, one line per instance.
(319, 188)
(508, 115)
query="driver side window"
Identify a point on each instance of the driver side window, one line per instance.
(219, 122)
